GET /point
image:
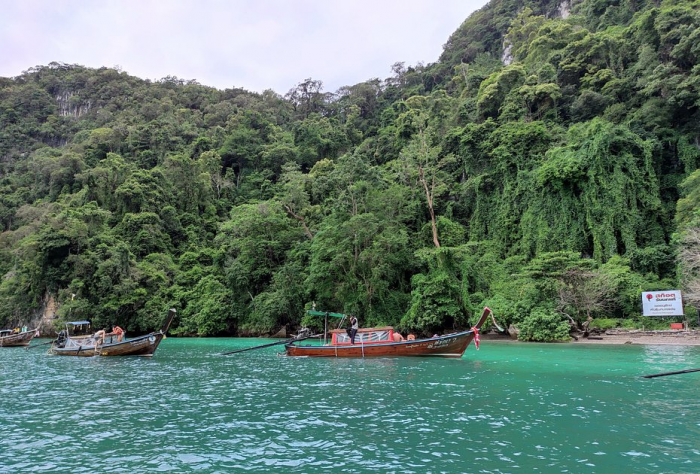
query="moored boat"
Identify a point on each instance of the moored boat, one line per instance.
(108, 344)
(379, 342)
(14, 338)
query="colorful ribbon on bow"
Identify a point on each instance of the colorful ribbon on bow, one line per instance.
(476, 337)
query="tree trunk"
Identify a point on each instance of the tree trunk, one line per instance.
(585, 326)
(300, 219)
(429, 198)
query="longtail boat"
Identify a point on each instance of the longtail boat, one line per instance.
(14, 338)
(108, 344)
(379, 342)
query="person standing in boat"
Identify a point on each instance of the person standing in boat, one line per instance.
(99, 337)
(119, 332)
(354, 326)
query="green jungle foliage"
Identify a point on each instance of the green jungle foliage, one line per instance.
(544, 166)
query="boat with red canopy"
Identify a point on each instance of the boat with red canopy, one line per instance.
(379, 342)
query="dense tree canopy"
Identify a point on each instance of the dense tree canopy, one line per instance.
(554, 147)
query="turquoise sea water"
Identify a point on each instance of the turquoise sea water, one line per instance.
(508, 407)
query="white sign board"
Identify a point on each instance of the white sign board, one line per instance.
(662, 303)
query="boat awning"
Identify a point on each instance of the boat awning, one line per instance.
(78, 323)
(384, 328)
(325, 313)
(364, 336)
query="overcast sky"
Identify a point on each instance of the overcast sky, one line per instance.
(254, 44)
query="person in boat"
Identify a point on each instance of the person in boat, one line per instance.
(99, 337)
(119, 332)
(354, 326)
(411, 337)
(398, 337)
(61, 338)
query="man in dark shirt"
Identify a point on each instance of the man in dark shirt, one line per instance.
(353, 328)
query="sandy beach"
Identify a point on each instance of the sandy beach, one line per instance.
(679, 338)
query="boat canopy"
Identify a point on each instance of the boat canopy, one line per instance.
(78, 323)
(313, 312)
(364, 336)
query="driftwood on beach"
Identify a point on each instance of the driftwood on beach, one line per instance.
(622, 336)
(663, 332)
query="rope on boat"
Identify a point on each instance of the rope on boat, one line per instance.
(496, 324)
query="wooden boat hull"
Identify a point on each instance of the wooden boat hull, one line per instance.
(17, 339)
(144, 346)
(450, 345)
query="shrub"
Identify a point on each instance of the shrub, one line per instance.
(628, 324)
(604, 323)
(654, 323)
(542, 326)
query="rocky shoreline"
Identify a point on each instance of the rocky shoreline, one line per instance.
(619, 336)
(671, 337)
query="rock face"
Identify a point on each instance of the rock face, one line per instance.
(564, 9)
(507, 57)
(281, 334)
(513, 331)
(45, 317)
(70, 105)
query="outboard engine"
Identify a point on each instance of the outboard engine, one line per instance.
(61, 339)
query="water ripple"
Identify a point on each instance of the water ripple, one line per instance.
(189, 409)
